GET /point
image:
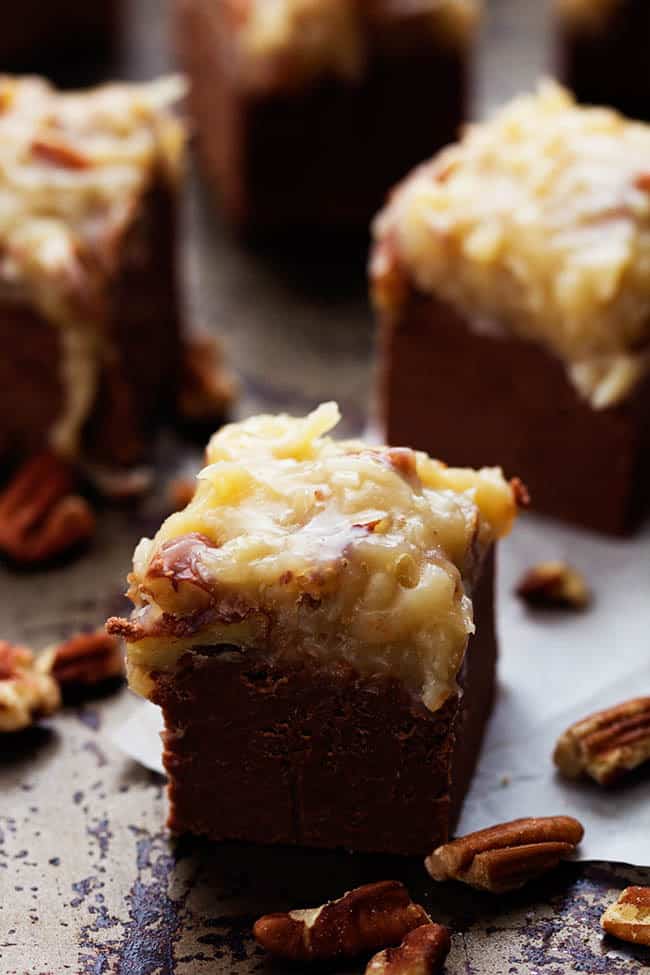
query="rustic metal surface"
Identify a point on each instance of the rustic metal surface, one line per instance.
(90, 883)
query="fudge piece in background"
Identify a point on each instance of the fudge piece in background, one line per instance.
(511, 277)
(603, 50)
(317, 626)
(89, 311)
(307, 111)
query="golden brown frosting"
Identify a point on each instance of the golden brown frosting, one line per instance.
(538, 221)
(306, 546)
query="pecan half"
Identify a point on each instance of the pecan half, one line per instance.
(422, 952)
(363, 920)
(207, 387)
(554, 585)
(506, 856)
(176, 577)
(629, 917)
(25, 692)
(84, 660)
(608, 744)
(39, 516)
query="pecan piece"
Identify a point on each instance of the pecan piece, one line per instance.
(422, 952)
(39, 516)
(176, 577)
(506, 856)
(25, 693)
(207, 387)
(554, 585)
(629, 917)
(57, 152)
(363, 920)
(84, 660)
(608, 744)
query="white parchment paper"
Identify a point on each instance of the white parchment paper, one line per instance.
(554, 669)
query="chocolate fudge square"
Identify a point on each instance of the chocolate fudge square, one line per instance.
(603, 52)
(307, 111)
(511, 277)
(89, 311)
(318, 629)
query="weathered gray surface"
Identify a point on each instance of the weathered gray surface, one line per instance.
(89, 881)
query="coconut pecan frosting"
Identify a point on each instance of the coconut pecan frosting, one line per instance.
(297, 543)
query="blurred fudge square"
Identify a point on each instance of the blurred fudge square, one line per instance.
(89, 321)
(43, 33)
(603, 52)
(511, 277)
(317, 627)
(308, 110)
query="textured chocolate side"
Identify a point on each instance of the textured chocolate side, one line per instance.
(608, 64)
(139, 375)
(325, 156)
(271, 753)
(483, 399)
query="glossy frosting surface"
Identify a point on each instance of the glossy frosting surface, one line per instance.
(305, 545)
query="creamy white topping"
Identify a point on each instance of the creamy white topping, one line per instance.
(539, 220)
(306, 546)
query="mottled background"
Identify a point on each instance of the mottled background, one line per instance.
(90, 883)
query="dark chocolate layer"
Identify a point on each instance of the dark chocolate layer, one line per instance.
(483, 399)
(299, 754)
(608, 65)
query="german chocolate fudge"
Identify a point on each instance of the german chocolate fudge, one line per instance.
(603, 52)
(307, 111)
(89, 322)
(511, 276)
(317, 627)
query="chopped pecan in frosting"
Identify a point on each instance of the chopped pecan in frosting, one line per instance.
(295, 542)
(538, 222)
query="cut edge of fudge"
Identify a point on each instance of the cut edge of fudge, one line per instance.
(279, 638)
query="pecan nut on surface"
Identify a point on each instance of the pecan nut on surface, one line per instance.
(507, 856)
(608, 744)
(84, 660)
(362, 920)
(422, 952)
(40, 515)
(629, 917)
(554, 585)
(26, 694)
